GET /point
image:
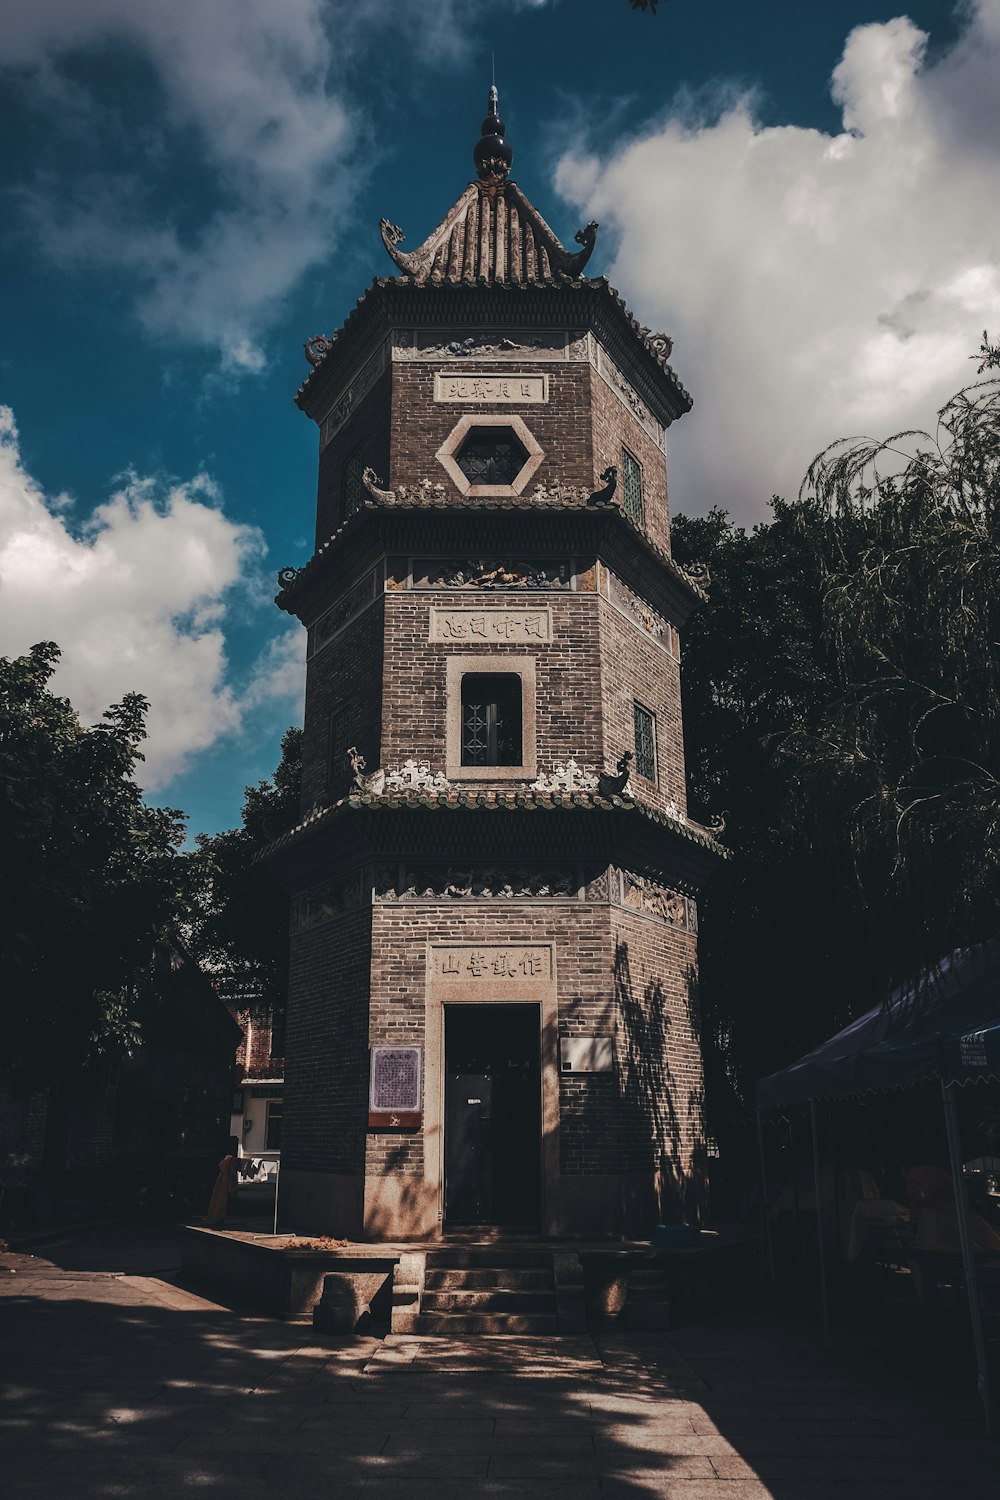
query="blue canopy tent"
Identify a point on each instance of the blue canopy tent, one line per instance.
(944, 1028)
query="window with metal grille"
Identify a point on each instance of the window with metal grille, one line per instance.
(272, 1131)
(632, 487)
(645, 742)
(491, 455)
(351, 481)
(491, 719)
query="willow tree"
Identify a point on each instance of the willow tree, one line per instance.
(907, 752)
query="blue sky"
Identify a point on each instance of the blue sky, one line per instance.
(802, 195)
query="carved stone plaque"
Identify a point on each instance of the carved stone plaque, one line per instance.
(525, 970)
(491, 624)
(394, 1096)
(505, 390)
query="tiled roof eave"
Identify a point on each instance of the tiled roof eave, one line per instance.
(455, 507)
(305, 397)
(520, 800)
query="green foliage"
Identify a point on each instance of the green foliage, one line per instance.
(89, 875)
(909, 744)
(842, 708)
(241, 924)
(786, 947)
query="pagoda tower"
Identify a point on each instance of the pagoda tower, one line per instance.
(492, 1015)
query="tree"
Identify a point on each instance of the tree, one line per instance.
(787, 950)
(240, 927)
(842, 708)
(90, 876)
(909, 744)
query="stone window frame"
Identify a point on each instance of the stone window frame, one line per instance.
(633, 500)
(456, 668)
(449, 448)
(637, 709)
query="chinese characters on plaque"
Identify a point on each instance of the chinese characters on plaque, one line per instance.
(491, 625)
(514, 389)
(394, 1098)
(470, 964)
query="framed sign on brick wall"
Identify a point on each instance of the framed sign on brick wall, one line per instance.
(395, 1088)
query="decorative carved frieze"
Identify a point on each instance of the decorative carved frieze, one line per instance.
(437, 883)
(638, 893)
(430, 344)
(325, 903)
(469, 573)
(628, 396)
(566, 776)
(346, 608)
(503, 390)
(416, 776)
(598, 889)
(490, 624)
(638, 610)
(354, 393)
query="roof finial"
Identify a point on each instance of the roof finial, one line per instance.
(492, 155)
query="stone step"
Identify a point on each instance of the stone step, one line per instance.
(469, 1258)
(488, 1278)
(485, 1322)
(497, 1300)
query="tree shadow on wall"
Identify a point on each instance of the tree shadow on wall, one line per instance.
(664, 1180)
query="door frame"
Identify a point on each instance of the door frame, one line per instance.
(542, 993)
(473, 1005)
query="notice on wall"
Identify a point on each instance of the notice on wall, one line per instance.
(503, 390)
(394, 1092)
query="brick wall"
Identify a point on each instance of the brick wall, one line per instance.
(367, 428)
(561, 425)
(326, 1057)
(345, 676)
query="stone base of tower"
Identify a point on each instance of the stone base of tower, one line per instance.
(559, 1066)
(395, 1208)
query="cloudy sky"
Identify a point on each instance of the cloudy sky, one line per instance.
(803, 196)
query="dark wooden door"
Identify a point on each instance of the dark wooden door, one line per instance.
(492, 1115)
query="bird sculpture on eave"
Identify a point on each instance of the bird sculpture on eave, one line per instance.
(609, 785)
(373, 783)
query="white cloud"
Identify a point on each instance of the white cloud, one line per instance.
(816, 286)
(262, 97)
(138, 603)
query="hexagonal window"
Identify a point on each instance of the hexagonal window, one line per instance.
(491, 455)
(487, 455)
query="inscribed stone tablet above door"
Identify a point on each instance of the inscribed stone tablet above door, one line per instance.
(490, 624)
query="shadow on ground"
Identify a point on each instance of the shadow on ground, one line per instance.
(120, 1384)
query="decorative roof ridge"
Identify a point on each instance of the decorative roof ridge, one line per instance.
(508, 799)
(289, 579)
(492, 233)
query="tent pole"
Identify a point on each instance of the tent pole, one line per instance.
(763, 1200)
(819, 1222)
(968, 1263)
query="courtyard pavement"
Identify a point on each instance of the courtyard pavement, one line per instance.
(119, 1383)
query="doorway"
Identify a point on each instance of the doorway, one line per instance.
(492, 1132)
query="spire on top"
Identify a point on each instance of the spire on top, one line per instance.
(492, 154)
